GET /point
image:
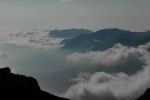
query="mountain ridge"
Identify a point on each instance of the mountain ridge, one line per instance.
(19, 86)
(106, 38)
(68, 33)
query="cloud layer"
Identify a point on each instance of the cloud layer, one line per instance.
(37, 39)
(111, 86)
(115, 56)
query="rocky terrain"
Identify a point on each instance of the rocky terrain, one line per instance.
(19, 86)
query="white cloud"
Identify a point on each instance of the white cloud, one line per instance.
(108, 86)
(117, 55)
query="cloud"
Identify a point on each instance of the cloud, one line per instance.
(105, 86)
(36, 39)
(117, 55)
(112, 86)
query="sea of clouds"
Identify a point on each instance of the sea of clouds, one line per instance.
(100, 84)
(110, 86)
(36, 38)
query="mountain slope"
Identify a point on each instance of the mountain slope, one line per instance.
(104, 39)
(68, 33)
(145, 96)
(19, 86)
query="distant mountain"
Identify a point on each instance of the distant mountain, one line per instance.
(145, 96)
(20, 87)
(68, 33)
(104, 39)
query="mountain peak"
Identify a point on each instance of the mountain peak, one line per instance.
(5, 71)
(112, 30)
(68, 33)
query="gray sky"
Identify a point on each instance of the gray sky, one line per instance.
(93, 14)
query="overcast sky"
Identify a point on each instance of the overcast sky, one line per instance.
(92, 14)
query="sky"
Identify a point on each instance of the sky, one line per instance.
(60, 14)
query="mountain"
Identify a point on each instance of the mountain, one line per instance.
(20, 87)
(68, 33)
(145, 96)
(106, 38)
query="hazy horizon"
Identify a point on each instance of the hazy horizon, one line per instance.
(65, 14)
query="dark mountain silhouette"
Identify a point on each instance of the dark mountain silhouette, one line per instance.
(19, 86)
(104, 39)
(145, 96)
(68, 33)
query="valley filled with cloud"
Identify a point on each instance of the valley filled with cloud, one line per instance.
(114, 86)
(78, 49)
(118, 73)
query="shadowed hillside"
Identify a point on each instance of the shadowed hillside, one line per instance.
(19, 86)
(104, 39)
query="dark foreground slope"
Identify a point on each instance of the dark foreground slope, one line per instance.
(19, 86)
(145, 96)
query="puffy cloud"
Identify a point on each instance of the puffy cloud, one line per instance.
(112, 86)
(107, 86)
(117, 55)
